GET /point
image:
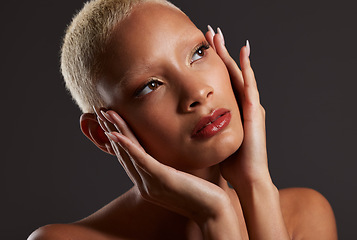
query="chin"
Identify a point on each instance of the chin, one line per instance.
(222, 148)
(228, 147)
(201, 155)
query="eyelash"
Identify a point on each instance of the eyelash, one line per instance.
(202, 46)
(139, 92)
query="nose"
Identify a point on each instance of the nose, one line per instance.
(194, 94)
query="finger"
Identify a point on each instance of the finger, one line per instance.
(115, 148)
(109, 148)
(105, 125)
(121, 125)
(138, 156)
(232, 67)
(101, 124)
(101, 119)
(106, 128)
(108, 121)
(250, 84)
(97, 111)
(123, 156)
(124, 159)
(149, 174)
(209, 36)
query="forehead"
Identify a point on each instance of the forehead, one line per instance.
(152, 32)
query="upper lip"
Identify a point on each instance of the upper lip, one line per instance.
(204, 121)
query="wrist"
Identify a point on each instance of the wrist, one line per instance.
(258, 187)
(222, 225)
(260, 180)
(260, 202)
(215, 208)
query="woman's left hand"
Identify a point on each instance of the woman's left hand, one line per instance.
(247, 169)
(249, 163)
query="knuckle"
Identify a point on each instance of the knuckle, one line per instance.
(256, 108)
(262, 110)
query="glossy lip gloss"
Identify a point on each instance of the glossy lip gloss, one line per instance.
(210, 125)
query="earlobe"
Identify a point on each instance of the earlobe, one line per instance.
(93, 131)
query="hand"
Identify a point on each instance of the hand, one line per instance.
(247, 169)
(177, 191)
(249, 163)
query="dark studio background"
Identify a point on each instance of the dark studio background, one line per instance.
(304, 55)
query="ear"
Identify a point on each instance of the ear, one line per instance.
(93, 131)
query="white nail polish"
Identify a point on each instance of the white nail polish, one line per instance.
(111, 136)
(211, 29)
(221, 34)
(248, 47)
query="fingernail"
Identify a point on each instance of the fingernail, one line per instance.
(248, 47)
(106, 124)
(100, 121)
(107, 116)
(221, 34)
(112, 136)
(211, 29)
(96, 112)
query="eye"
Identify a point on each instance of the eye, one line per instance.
(199, 51)
(149, 87)
(198, 54)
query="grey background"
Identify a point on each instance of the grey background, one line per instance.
(304, 54)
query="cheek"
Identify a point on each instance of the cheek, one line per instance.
(217, 68)
(155, 129)
(152, 121)
(220, 79)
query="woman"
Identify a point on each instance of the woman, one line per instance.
(175, 126)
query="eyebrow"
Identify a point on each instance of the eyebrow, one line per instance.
(145, 68)
(132, 73)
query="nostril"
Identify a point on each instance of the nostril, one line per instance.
(194, 104)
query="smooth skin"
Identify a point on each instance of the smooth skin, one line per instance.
(193, 200)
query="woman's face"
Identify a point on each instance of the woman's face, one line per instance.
(172, 89)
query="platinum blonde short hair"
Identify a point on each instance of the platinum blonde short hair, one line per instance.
(85, 44)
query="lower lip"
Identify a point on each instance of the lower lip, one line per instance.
(213, 128)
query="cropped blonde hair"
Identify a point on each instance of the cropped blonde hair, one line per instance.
(85, 43)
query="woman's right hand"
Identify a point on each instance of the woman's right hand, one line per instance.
(204, 202)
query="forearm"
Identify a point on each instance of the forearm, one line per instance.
(262, 212)
(223, 226)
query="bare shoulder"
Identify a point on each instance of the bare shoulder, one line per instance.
(307, 214)
(66, 231)
(98, 226)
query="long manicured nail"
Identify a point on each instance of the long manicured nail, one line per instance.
(112, 136)
(248, 47)
(221, 34)
(106, 124)
(97, 113)
(211, 29)
(107, 116)
(101, 124)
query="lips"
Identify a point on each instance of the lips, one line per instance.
(210, 125)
